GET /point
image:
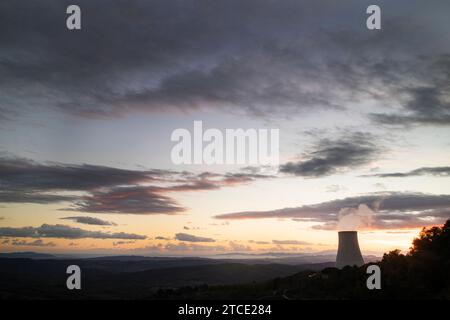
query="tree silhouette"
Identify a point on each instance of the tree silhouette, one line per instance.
(424, 272)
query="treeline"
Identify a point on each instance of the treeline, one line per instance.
(424, 272)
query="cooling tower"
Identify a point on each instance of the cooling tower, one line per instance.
(348, 253)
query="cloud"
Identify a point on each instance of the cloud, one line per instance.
(430, 171)
(90, 220)
(258, 242)
(161, 238)
(35, 243)
(27, 175)
(291, 242)
(193, 247)
(211, 181)
(119, 243)
(258, 56)
(424, 105)
(29, 182)
(192, 238)
(334, 156)
(391, 210)
(18, 196)
(65, 232)
(107, 189)
(63, 70)
(130, 200)
(184, 247)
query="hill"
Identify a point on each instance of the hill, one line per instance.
(129, 279)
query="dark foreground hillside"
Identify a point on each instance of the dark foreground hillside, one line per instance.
(129, 279)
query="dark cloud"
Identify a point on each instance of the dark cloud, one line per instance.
(425, 171)
(335, 188)
(161, 238)
(90, 220)
(391, 210)
(200, 185)
(65, 232)
(192, 238)
(236, 247)
(109, 190)
(27, 175)
(334, 156)
(425, 105)
(211, 181)
(35, 243)
(18, 196)
(230, 179)
(131, 200)
(260, 56)
(31, 182)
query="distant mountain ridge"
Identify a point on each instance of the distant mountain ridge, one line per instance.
(253, 258)
(27, 255)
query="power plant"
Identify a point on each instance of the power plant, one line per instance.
(348, 253)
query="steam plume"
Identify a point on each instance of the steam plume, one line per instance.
(352, 219)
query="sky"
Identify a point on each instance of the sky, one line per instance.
(86, 118)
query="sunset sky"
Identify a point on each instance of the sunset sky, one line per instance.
(86, 118)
